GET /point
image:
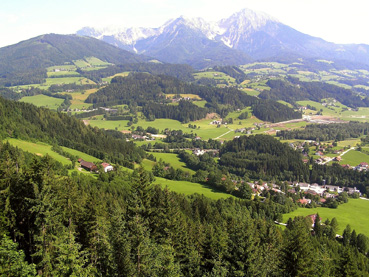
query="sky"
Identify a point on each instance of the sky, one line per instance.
(338, 21)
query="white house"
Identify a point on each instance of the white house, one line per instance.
(107, 167)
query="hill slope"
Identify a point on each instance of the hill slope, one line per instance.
(25, 62)
(26, 121)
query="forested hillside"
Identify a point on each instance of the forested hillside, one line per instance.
(144, 90)
(326, 132)
(26, 62)
(181, 71)
(26, 121)
(292, 90)
(121, 225)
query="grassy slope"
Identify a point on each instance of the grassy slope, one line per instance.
(39, 148)
(173, 160)
(354, 213)
(189, 188)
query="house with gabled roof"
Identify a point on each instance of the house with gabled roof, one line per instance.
(107, 167)
(88, 166)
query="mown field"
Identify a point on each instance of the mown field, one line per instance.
(38, 148)
(355, 213)
(189, 188)
(354, 158)
(43, 101)
(174, 161)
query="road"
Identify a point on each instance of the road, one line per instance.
(230, 130)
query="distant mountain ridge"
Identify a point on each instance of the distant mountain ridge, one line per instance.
(244, 36)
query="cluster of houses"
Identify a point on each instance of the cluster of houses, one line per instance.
(93, 168)
(324, 191)
(200, 152)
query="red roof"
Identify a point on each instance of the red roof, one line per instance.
(105, 165)
(88, 165)
(303, 201)
(313, 217)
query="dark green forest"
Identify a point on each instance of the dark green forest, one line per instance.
(325, 132)
(292, 90)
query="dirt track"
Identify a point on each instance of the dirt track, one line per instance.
(321, 119)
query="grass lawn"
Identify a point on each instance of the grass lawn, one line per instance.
(43, 101)
(200, 104)
(250, 91)
(189, 188)
(354, 213)
(64, 68)
(81, 155)
(361, 115)
(63, 73)
(96, 62)
(354, 157)
(173, 160)
(39, 148)
(215, 75)
(108, 79)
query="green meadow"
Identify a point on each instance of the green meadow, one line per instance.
(354, 213)
(78, 99)
(38, 148)
(122, 74)
(354, 158)
(220, 76)
(173, 160)
(43, 101)
(188, 188)
(81, 155)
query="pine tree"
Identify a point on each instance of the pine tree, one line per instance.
(346, 236)
(12, 260)
(298, 255)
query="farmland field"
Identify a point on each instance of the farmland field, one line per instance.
(78, 101)
(43, 101)
(354, 213)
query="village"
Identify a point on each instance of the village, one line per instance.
(304, 193)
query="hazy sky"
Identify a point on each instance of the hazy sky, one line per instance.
(336, 21)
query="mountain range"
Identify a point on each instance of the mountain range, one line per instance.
(243, 37)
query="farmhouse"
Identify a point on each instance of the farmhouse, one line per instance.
(216, 122)
(312, 217)
(88, 166)
(304, 201)
(107, 167)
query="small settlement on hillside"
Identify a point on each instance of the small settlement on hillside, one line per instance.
(93, 168)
